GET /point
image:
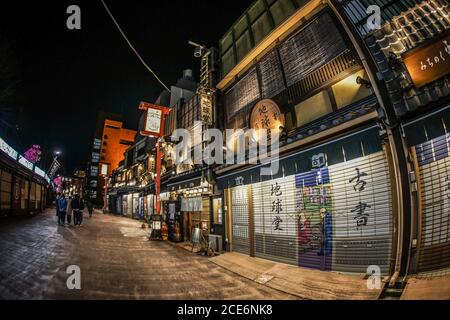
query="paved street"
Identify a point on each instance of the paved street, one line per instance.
(116, 261)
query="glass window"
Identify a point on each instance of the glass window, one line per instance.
(24, 195)
(240, 26)
(243, 45)
(33, 192)
(256, 10)
(348, 91)
(261, 28)
(5, 188)
(226, 42)
(280, 10)
(313, 108)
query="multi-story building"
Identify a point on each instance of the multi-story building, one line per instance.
(131, 188)
(410, 54)
(362, 110)
(111, 140)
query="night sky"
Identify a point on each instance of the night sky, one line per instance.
(67, 76)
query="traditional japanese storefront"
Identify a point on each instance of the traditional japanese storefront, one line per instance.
(430, 149)
(412, 52)
(329, 207)
(23, 186)
(191, 201)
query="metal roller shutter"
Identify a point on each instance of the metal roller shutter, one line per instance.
(335, 218)
(362, 215)
(434, 176)
(239, 209)
(275, 219)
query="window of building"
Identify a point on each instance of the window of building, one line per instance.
(189, 113)
(348, 91)
(24, 194)
(125, 142)
(105, 137)
(281, 9)
(5, 190)
(313, 108)
(103, 150)
(105, 143)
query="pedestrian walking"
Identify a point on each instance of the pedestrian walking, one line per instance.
(78, 207)
(90, 207)
(69, 210)
(57, 206)
(62, 204)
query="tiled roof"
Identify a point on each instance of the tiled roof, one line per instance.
(404, 32)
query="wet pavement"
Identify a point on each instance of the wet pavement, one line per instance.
(116, 261)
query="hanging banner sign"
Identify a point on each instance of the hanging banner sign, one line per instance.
(429, 63)
(206, 108)
(154, 120)
(8, 149)
(54, 168)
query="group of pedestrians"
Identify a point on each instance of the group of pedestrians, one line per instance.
(68, 207)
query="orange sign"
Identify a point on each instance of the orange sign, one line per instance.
(430, 62)
(266, 115)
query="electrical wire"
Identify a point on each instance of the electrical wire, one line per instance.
(132, 47)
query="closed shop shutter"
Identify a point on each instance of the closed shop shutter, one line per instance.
(239, 209)
(434, 176)
(337, 218)
(274, 206)
(362, 214)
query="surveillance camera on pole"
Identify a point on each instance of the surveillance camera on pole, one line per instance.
(200, 50)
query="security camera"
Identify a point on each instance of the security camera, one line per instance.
(198, 52)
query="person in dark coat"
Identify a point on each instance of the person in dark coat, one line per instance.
(62, 204)
(90, 207)
(78, 207)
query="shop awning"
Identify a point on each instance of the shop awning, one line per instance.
(185, 184)
(349, 147)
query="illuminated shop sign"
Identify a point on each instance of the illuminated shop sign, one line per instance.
(104, 169)
(39, 172)
(429, 63)
(206, 107)
(153, 122)
(8, 149)
(266, 115)
(25, 163)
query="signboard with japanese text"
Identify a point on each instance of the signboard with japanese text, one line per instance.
(26, 163)
(430, 62)
(104, 169)
(8, 149)
(266, 115)
(39, 172)
(153, 121)
(206, 108)
(275, 207)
